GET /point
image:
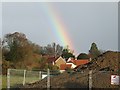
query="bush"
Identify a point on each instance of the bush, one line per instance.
(83, 56)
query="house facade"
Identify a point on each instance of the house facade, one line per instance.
(71, 63)
(59, 61)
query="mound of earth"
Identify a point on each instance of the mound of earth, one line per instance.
(107, 61)
(75, 80)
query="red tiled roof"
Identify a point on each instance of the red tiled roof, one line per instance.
(65, 66)
(79, 62)
(70, 62)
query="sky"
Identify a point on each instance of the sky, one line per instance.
(77, 24)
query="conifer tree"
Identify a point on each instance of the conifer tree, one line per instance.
(94, 51)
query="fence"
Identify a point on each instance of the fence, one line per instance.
(17, 77)
(102, 79)
(91, 79)
(20, 77)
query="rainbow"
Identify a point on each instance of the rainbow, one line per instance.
(58, 26)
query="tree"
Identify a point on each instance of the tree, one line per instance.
(52, 50)
(82, 56)
(58, 50)
(94, 52)
(17, 45)
(66, 54)
(36, 48)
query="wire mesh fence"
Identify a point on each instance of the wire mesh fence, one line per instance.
(102, 79)
(17, 77)
(32, 76)
(20, 77)
(90, 79)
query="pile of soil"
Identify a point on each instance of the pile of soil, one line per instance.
(75, 80)
(107, 61)
(64, 80)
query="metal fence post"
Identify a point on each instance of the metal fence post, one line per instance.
(90, 80)
(48, 79)
(8, 79)
(24, 77)
(40, 75)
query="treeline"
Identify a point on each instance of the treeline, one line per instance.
(17, 46)
(19, 52)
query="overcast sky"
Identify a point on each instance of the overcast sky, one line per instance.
(85, 23)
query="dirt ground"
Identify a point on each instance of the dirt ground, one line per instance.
(76, 80)
(103, 67)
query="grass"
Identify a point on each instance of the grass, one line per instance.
(0, 81)
(4, 81)
(16, 80)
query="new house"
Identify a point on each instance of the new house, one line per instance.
(63, 64)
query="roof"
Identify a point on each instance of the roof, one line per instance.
(70, 62)
(65, 66)
(79, 62)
